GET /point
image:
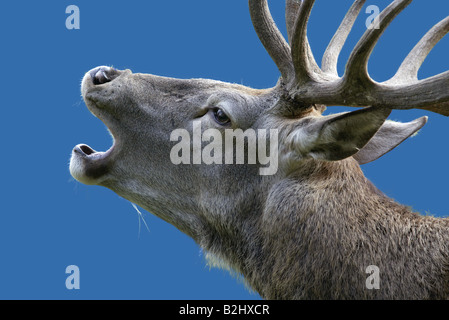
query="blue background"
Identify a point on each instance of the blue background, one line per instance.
(49, 221)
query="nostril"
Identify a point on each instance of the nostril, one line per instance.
(103, 75)
(100, 77)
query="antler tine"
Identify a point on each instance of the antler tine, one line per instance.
(330, 57)
(271, 38)
(357, 67)
(306, 68)
(307, 84)
(292, 8)
(408, 71)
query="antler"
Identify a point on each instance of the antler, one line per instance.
(307, 83)
(271, 37)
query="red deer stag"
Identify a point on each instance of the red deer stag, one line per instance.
(303, 222)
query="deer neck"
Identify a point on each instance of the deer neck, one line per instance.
(321, 222)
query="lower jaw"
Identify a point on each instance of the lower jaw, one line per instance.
(88, 166)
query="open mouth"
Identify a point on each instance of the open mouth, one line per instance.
(86, 164)
(85, 151)
(89, 166)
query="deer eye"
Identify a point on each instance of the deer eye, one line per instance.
(220, 116)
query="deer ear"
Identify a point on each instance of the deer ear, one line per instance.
(336, 137)
(389, 136)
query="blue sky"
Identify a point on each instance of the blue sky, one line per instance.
(48, 221)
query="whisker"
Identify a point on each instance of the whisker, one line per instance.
(140, 216)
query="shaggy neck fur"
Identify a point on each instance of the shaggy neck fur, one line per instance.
(313, 234)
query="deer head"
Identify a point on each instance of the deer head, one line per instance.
(224, 205)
